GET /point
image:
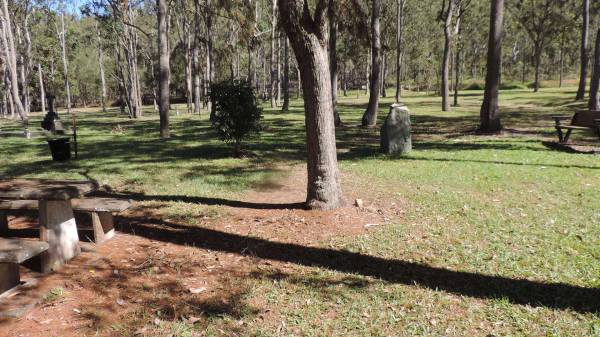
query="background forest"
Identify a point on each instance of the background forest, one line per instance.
(105, 52)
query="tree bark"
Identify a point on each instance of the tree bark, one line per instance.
(308, 34)
(584, 50)
(369, 118)
(490, 114)
(164, 69)
(594, 103)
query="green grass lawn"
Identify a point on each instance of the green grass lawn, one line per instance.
(500, 235)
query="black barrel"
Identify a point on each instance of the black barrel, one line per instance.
(60, 148)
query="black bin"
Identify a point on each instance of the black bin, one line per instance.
(60, 148)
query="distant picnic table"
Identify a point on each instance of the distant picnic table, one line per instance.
(57, 221)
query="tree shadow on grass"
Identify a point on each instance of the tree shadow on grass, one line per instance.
(519, 291)
(196, 200)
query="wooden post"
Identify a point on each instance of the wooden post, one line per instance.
(103, 225)
(58, 228)
(9, 276)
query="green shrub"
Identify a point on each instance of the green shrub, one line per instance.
(235, 114)
(512, 86)
(531, 85)
(475, 86)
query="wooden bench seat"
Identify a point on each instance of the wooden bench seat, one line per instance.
(13, 252)
(101, 210)
(581, 120)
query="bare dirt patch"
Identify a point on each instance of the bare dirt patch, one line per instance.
(157, 271)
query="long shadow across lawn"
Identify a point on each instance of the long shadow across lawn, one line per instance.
(197, 200)
(518, 291)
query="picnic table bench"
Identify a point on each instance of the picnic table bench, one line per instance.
(581, 120)
(13, 252)
(100, 209)
(57, 221)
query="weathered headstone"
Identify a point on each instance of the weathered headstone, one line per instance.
(396, 131)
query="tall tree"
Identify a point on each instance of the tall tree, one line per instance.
(286, 75)
(42, 93)
(273, 70)
(490, 114)
(196, 57)
(369, 118)
(399, 25)
(11, 60)
(308, 34)
(164, 69)
(333, 62)
(543, 21)
(103, 92)
(210, 65)
(585, 26)
(450, 15)
(457, 65)
(594, 103)
(62, 38)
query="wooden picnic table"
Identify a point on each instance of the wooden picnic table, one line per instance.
(57, 222)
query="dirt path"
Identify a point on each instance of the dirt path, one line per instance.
(155, 270)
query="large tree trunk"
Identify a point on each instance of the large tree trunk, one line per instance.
(594, 103)
(11, 60)
(490, 114)
(369, 118)
(584, 50)
(164, 69)
(399, 24)
(308, 35)
(286, 75)
(333, 67)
